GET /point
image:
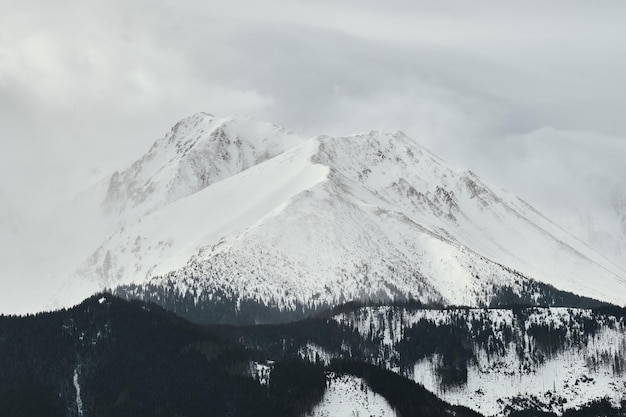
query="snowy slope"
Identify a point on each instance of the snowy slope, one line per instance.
(166, 239)
(458, 206)
(551, 359)
(349, 396)
(391, 221)
(240, 207)
(52, 255)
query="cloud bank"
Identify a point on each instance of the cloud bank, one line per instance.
(530, 95)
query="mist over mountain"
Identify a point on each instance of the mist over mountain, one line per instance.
(243, 209)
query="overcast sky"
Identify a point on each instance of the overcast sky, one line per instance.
(529, 94)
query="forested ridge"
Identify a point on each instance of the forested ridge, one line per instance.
(112, 357)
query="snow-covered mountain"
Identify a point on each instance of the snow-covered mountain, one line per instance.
(238, 208)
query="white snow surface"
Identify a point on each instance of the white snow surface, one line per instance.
(246, 207)
(349, 396)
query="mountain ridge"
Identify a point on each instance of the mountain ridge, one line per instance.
(242, 207)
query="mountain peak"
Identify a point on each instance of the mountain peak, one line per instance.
(242, 207)
(197, 152)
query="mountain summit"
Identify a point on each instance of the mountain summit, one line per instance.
(241, 210)
(199, 151)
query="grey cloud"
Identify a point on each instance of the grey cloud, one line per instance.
(85, 87)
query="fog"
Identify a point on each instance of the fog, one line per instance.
(528, 95)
